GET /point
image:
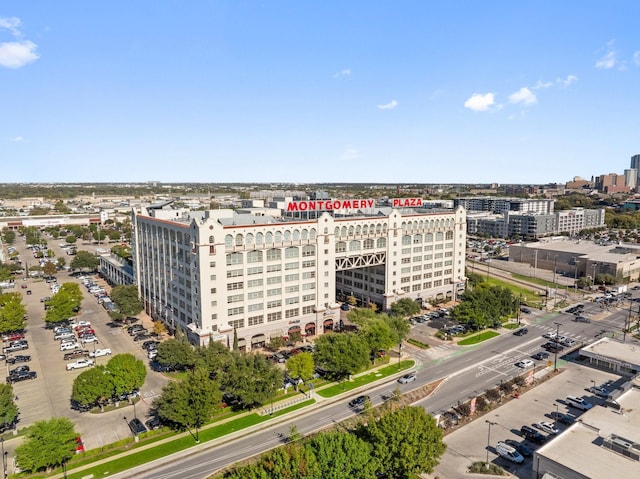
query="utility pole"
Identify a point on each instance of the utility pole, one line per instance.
(555, 360)
(489, 439)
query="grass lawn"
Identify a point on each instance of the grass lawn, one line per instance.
(510, 325)
(367, 378)
(178, 444)
(478, 338)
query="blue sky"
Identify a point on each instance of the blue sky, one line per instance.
(332, 91)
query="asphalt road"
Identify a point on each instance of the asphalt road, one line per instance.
(469, 371)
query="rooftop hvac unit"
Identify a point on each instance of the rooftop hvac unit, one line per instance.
(623, 443)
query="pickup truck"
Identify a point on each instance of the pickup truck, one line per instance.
(100, 352)
(80, 363)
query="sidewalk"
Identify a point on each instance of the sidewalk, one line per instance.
(278, 405)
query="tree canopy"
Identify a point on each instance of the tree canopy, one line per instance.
(93, 386)
(405, 307)
(48, 444)
(62, 304)
(12, 312)
(127, 373)
(85, 261)
(301, 366)
(342, 354)
(484, 306)
(8, 408)
(250, 379)
(126, 299)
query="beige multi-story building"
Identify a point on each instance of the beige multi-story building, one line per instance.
(219, 273)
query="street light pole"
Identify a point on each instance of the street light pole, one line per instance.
(489, 439)
(4, 460)
(555, 361)
(575, 275)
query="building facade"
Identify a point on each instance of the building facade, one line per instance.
(218, 274)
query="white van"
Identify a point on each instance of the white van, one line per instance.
(509, 453)
(579, 403)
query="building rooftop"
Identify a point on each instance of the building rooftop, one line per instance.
(613, 350)
(612, 253)
(586, 446)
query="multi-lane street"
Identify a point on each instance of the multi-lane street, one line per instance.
(468, 372)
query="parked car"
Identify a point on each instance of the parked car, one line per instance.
(22, 376)
(532, 435)
(359, 401)
(521, 332)
(525, 310)
(599, 391)
(408, 378)
(20, 369)
(522, 448)
(16, 346)
(578, 403)
(100, 352)
(70, 346)
(80, 363)
(19, 358)
(8, 337)
(150, 344)
(582, 319)
(154, 423)
(78, 353)
(509, 453)
(563, 418)
(548, 427)
(136, 426)
(90, 338)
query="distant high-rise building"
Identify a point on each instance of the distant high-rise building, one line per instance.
(635, 164)
(631, 178)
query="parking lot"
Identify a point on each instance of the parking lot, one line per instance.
(477, 440)
(49, 394)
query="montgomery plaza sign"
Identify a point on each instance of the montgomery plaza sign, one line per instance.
(349, 204)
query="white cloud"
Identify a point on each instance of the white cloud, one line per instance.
(343, 73)
(567, 81)
(542, 84)
(480, 102)
(388, 106)
(18, 53)
(636, 58)
(350, 154)
(17, 139)
(608, 60)
(524, 96)
(11, 24)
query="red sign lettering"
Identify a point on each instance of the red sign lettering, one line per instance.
(406, 202)
(330, 205)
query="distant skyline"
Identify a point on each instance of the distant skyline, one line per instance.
(309, 92)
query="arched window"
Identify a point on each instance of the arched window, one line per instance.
(368, 243)
(354, 245)
(406, 240)
(238, 240)
(296, 235)
(228, 241)
(254, 257)
(449, 235)
(358, 230)
(274, 254)
(287, 235)
(382, 242)
(351, 229)
(312, 233)
(439, 236)
(249, 239)
(308, 250)
(404, 226)
(365, 230)
(336, 231)
(305, 235)
(268, 238)
(341, 247)
(234, 258)
(378, 228)
(417, 239)
(211, 240)
(428, 238)
(292, 252)
(259, 238)
(384, 228)
(343, 231)
(278, 236)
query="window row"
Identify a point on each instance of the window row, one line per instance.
(258, 239)
(273, 254)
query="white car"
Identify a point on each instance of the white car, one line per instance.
(89, 339)
(407, 378)
(100, 352)
(548, 427)
(69, 346)
(80, 363)
(525, 363)
(152, 353)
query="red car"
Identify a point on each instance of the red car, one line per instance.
(79, 445)
(12, 337)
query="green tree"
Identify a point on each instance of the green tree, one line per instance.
(127, 373)
(214, 356)
(127, 300)
(114, 235)
(176, 352)
(342, 455)
(190, 403)
(405, 307)
(48, 444)
(71, 239)
(62, 304)
(61, 262)
(8, 408)
(407, 441)
(12, 312)
(292, 461)
(8, 235)
(301, 366)
(94, 385)
(341, 354)
(85, 261)
(49, 269)
(398, 329)
(250, 379)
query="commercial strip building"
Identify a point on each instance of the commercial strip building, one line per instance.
(605, 441)
(219, 273)
(579, 258)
